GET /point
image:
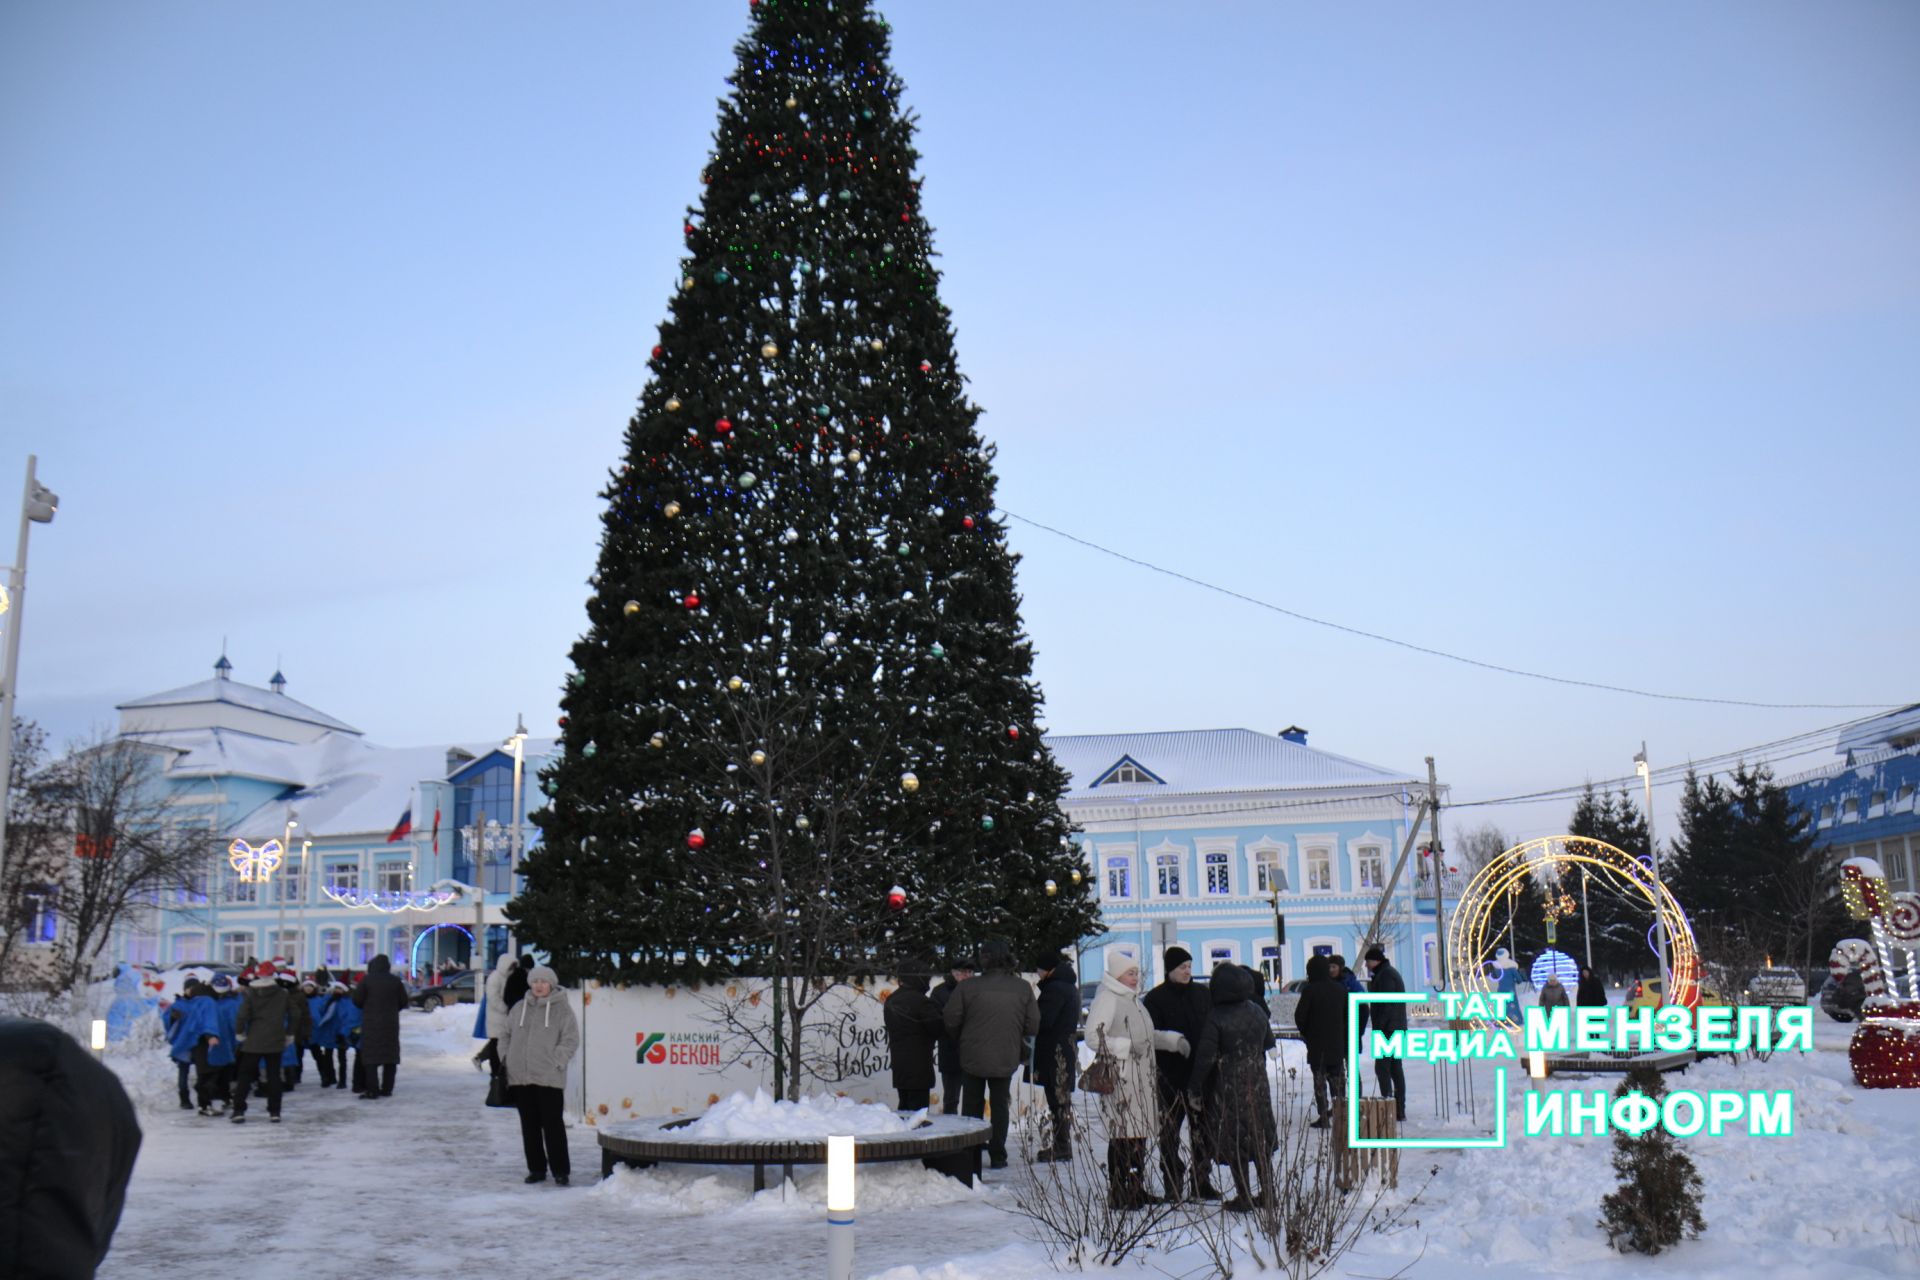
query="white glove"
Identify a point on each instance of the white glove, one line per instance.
(1172, 1042)
(1185, 1049)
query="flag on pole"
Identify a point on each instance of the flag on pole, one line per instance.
(436, 831)
(403, 828)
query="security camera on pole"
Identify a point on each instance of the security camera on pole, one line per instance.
(37, 506)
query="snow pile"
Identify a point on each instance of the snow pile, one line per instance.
(443, 1033)
(684, 1190)
(1013, 1262)
(815, 1118)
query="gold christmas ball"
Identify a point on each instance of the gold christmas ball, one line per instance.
(686, 283)
(909, 783)
(1076, 877)
(1052, 888)
(735, 684)
(759, 758)
(792, 103)
(801, 822)
(657, 741)
(630, 608)
(877, 345)
(770, 350)
(673, 404)
(671, 510)
(853, 455)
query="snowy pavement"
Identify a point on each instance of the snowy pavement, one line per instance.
(427, 1183)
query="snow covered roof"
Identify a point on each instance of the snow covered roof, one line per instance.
(208, 753)
(1209, 760)
(1896, 728)
(233, 693)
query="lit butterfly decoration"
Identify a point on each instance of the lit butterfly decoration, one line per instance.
(254, 863)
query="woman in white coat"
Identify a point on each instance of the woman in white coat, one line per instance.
(1120, 1026)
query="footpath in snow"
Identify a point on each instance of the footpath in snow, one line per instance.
(427, 1183)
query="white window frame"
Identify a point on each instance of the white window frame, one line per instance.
(1158, 857)
(386, 867)
(330, 866)
(1224, 847)
(1850, 809)
(400, 939)
(1255, 852)
(1110, 852)
(289, 944)
(1900, 847)
(248, 939)
(1328, 845)
(1230, 945)
(177, 939)
(1273, 959)
(372, 948)
(1362, 854)
(333, 947)
(1358, 846)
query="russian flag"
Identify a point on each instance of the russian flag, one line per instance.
(404, 827)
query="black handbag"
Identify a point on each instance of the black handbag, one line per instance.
(497, 1091)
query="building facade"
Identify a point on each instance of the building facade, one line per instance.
(1864, 804)
(1245, 847)
(352, 822)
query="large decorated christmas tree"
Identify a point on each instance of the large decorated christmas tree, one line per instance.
(800, 736)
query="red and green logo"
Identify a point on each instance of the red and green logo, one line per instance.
(652, 1047)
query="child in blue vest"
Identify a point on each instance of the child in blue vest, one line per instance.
(324, 1036)
(345, 1015)
(188, 1020)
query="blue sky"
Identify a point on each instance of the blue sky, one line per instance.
(1578, 339)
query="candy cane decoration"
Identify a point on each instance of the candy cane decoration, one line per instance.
(1857, 953)
(1892, 917)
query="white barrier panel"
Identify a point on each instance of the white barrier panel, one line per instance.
(676, 1050)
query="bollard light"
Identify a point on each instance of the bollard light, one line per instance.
(1537, 1064)
(840, 1207)
(99, 1035)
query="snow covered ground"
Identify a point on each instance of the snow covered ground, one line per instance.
(427, 1183)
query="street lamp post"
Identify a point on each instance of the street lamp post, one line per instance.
(1653, 850)
(518, 744)
(37, 506)
(280, 929)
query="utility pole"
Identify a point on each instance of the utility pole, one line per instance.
(1659, 890)
(37, 506)
(1439, 869)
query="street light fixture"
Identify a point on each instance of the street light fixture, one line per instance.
(38, 505)
(1645, 771)
(518, 745)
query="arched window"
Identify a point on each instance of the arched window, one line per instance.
(1166, 873)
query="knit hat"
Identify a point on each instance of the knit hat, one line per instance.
(1375, 953)
(1120, 960)
(1177, 956)
(543, 974)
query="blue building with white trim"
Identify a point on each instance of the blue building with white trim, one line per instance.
(1867, 803)
(1204, 837)
(253, 764)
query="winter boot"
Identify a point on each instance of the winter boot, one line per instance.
(1203, 1188)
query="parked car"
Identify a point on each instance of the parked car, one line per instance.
(456, 989)
(1777, 987)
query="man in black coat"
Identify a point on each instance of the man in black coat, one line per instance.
(1055, 1057)
(1389, 1017)
(68, 1138)
(516, 988)
(1321, 1016)
(1179, 1007)
(380, 997)
(913, 1029)
(952, 1079)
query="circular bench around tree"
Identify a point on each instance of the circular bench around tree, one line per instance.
(945, 1144)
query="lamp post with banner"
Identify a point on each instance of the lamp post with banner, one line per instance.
(486, 841)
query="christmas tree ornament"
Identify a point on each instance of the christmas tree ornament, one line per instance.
(887, 248)
(926, 366)
(735, 684)
(673, 404)
(967, 522)
(748, 479)
(877, 345)
(1052, 888)
(721, 276)
(845, 195)
(671, 510)
(696, 839)
(830, 639)
(909, 783)
(686, 283)
(853, 456)
(657, 741)
(692, 602)
(754, 198)
(790, 537)
(590, 750)
(822, 411)
(986, 822)
(562, 722)
(657, 352)
(1075, 876)
(1013, 732)
(792, 103)
(897, 898)
(801, 823)
(936, 650)
(902, 549)
(630, 608)
(757, 759)
(768, 350)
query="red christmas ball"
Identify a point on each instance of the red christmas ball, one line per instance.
(696, 839)
(723, 426)
(687, 229)
(897, 898)
(692, 602)
(658, 352)
(906, 217)
(967, 523)
(1013, 732)
(563, 722)
(926, 366)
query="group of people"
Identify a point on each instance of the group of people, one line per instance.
(1588, 990)
(1185, 1054)
(231, 1039)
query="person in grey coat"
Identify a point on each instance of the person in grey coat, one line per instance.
(991, 1016)
(380, 997)
(537, 1041)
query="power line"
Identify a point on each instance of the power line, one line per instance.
(1439, 653)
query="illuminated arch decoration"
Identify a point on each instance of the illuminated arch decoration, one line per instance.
(1885, 1050)
(390, 901)
(413, 953)
(1555, 964)
(254, 864)
(1472, 932)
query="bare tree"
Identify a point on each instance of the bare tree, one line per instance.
(33, 866)
(107, 798)
(1476, 847)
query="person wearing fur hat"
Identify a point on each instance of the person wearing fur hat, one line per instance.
(537, 1041)
(1179, 1007)
(1120, 1030)
(265, 1022)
